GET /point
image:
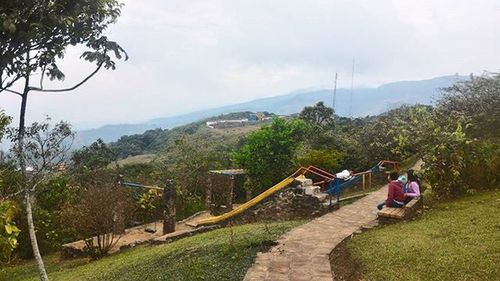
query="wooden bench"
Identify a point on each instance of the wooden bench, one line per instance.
(388, 214)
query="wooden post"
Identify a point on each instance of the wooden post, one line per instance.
(169, 198)
(370, 180)
(364, 181)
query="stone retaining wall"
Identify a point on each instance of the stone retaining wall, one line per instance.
(286, 204)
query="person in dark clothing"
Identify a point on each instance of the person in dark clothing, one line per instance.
(395, 194)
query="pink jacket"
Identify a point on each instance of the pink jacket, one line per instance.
(413, 189)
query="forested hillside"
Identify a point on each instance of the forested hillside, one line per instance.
(153, 141)
(365, 101)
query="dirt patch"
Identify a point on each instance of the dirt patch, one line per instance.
(267, 245)
(344, 266)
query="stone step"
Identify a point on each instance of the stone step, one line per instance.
(312, 190)
(303, 182)
(322, 196)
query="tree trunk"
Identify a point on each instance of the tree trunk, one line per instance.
(34, 243)
(22, 166)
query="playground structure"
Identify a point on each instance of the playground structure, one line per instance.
(329, 183)
(327, 186)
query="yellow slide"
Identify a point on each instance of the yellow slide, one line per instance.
(250, 203)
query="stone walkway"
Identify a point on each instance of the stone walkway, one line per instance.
(304, 252)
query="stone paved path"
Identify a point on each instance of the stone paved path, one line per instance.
(303, 253)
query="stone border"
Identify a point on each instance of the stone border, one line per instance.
(181, 234)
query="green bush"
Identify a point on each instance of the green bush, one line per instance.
(8, 230)
(460, 149)
(327, 159)
(52, 196)
(268, 154)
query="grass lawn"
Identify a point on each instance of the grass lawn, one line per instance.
(458, 240)
(223, 254)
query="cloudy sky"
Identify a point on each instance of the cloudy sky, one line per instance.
(190, 55)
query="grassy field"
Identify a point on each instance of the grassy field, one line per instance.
(223, 254)
(457, 240)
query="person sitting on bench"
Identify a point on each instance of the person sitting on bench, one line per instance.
(413, 187)
(404, 182)
(395, 195)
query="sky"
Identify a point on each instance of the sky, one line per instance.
(192, 55)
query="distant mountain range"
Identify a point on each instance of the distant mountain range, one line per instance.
(365, 101)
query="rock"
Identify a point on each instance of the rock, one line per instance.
(150, 230)
(304, 182)
(68, 252)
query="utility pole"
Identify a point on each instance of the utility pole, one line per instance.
(334, 93)
(352, 85)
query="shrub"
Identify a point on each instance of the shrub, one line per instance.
(461, 151)
(327, 159)
(100, 213)
(268, 153)
(8, 230)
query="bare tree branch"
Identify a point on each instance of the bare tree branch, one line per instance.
(8, 84)
(11, 91)
(72, 88)
(41, 77)
(8, 196)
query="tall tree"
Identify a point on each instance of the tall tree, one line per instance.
(319, 115)
(319, 119)
(95, 156)
(268, 154)
(34, 36)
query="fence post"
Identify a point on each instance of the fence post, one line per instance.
(169, 198)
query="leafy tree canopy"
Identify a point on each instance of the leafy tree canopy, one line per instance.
(95, 156)
(477, 102)
(268, 154)
(35, 34)
(319, 115)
